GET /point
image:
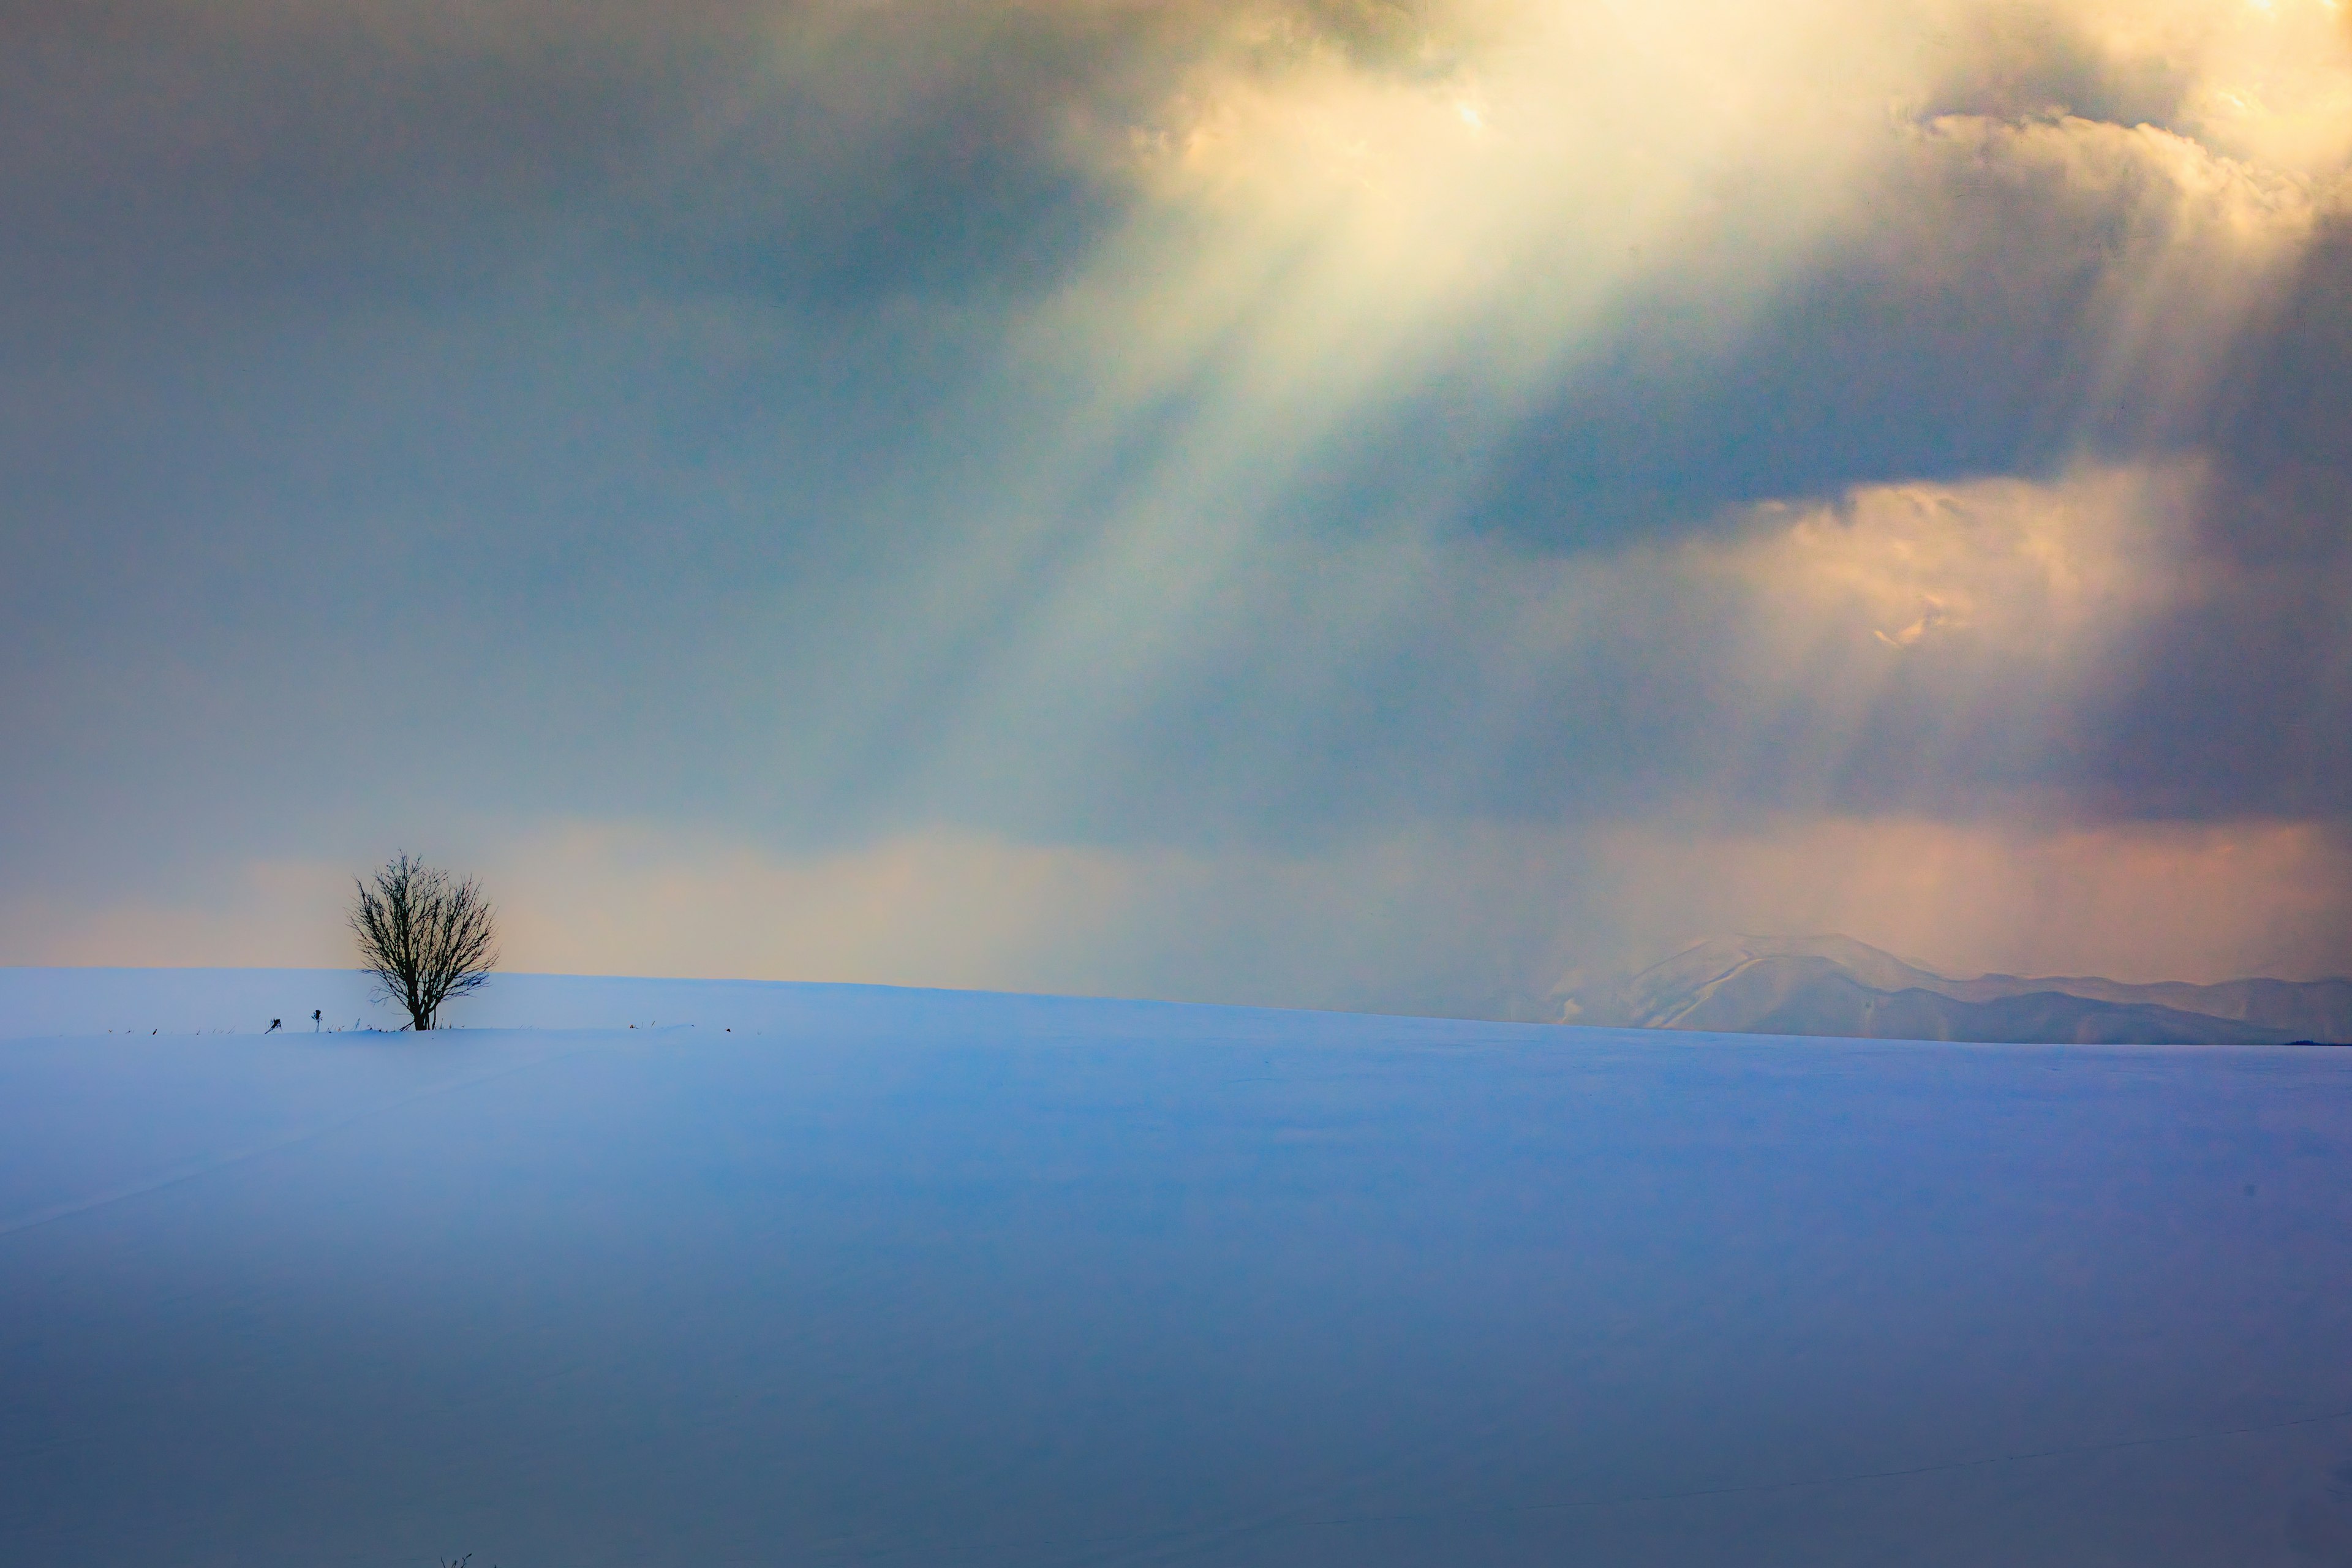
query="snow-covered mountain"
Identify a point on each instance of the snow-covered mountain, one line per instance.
(1835, 985)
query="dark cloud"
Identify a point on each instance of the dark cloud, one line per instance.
(161, 148)
(1977, 321)
(2240, 700)
(170, 149)
(2283, 412)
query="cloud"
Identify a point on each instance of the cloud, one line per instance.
(2022, 566)
(1948, 647)
(2261, 80)
(1229, 447)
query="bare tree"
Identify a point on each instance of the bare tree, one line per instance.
(424, 935)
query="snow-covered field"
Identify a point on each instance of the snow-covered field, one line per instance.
(834, 1275)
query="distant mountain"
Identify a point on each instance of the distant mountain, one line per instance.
(1836, 985)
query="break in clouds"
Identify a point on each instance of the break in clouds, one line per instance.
(1327, 503)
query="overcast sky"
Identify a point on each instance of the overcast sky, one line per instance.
(1323, 502)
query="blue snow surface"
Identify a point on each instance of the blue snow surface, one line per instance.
(818, 1274)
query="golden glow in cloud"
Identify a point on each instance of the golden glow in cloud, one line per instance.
(2024, 567)
(1326, 227)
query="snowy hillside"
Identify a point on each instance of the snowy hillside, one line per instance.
(244, 1002)
(819, 1274)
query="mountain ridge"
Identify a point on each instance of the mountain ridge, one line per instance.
(1832, 984)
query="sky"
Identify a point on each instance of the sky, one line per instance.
(1323, 502)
